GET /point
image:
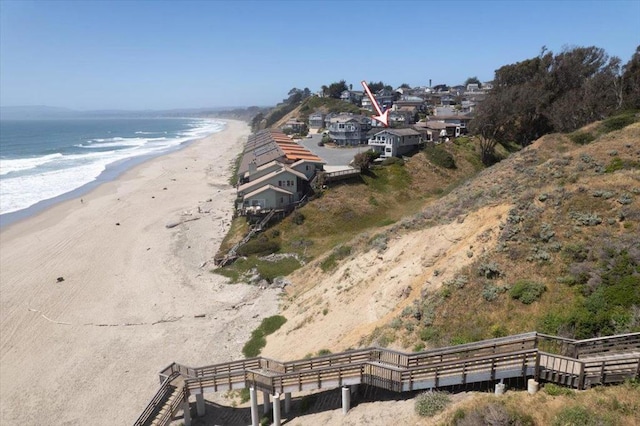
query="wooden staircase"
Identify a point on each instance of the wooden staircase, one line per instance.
(232, 254)
(604, 360)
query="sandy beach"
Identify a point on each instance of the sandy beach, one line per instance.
(134, 295)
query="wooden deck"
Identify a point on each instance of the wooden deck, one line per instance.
(577, 364)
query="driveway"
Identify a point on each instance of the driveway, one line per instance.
(333, 156)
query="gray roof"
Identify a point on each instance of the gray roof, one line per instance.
(401, 132)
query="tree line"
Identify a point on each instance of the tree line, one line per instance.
(554, 93)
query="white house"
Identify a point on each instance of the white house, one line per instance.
(395, 142)
(280, 188)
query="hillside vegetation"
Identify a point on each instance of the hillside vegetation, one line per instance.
(301, 109)
(545, 240)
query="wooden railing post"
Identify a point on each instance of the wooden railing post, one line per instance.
(581, 378)
(493, 369)
(391, 369)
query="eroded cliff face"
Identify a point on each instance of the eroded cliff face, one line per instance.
(336, 311)
(547, 187)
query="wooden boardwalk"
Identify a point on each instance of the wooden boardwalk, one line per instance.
(575, 363)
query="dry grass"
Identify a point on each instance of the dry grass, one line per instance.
(516, 215)
(616, 405)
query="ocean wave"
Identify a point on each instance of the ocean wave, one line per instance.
(24, 191)
(117, 142)
(28, 181)
(150, 133)
(22, 164)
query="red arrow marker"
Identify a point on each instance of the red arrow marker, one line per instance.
(382, 117)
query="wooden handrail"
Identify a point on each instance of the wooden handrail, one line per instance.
(150, 410)
(518, 355)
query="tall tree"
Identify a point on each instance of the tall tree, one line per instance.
(295, 96)
(489, 126)
(631, 82)
(375, 87)
(472, 80)
(336, 89)
(551, 93)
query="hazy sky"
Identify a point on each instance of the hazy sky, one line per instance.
(180, 54)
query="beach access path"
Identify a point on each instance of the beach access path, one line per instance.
(98, 294)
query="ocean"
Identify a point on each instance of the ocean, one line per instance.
(41, 161)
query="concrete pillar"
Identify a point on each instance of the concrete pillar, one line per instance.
(200, 408)
(186, 411)
(500, 388)
(346, 399)
(276, 409)
(266, 403)
(532, 386)
(287, 402)
(255, 416)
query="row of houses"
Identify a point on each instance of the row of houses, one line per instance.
(422, 98)
(347, 129)
(274, 173)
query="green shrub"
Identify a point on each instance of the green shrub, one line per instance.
(491, 414)
(614, 165)
(244, 395)
(260, 246)
(266, 420)
(429, 404)
(440, 157)
(393, 160)
(582, 138)
(489, 270)
(489, 292)
(297, 218)
(617, 122)
(255, 344)
(331, 261)
(577, 416)
(499, 330)
(283, 267)
(555, 390)
(429, 333)
(526, 291)
(257, 341)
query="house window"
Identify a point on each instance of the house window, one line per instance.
(279, 183)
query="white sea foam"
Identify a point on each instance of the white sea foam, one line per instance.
(27, 181)
(117, 142)
(21, 164)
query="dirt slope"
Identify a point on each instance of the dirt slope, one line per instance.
(334, 311)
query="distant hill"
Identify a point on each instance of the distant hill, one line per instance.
(34, 112)
(49, 112)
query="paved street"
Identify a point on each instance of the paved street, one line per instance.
(332, 156)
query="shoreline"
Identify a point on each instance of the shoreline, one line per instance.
(112, 172)
(134, 296)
